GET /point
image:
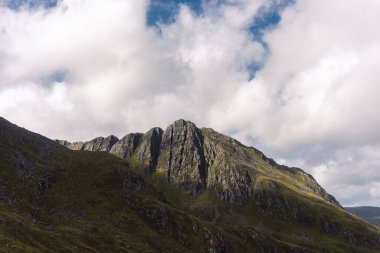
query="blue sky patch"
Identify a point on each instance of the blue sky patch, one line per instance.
(268, 17)
(253, 68)
(16, 4)
(165, 11)
(57, 76)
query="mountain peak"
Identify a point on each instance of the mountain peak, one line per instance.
(182, 122)
(197, 160)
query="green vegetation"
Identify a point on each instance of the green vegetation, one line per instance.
(368, 213)
(57, 200)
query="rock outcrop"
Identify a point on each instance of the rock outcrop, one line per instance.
(126, 146)
(97, 144)
(202, 159)
(149, 149)
(182, 158)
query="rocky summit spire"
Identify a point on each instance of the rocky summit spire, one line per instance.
(182, 157)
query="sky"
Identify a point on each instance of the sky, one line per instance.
(297, 79)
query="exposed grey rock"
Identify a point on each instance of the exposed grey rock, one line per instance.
(93, 145)
(182, 158)
(199, 159)
(108, 143)
(63, 143)
(97, 144)
(216, 243)
(230, 180)
(149, 149)
(232, 185)
(125, 147)
(76, 145)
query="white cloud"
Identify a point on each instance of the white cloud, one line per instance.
(352, 174)
(314, 104)
(375, 190)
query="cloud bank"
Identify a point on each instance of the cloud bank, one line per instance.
(84, 68)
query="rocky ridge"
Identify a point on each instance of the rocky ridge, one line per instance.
(197, 159)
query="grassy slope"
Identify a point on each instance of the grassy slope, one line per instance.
(83, 206)
(306, 233)
(56, 200)
(368, 213)
(280, 229)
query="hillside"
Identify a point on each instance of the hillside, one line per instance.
(182, 189)
(368, 213)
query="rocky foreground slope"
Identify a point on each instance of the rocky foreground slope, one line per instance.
(200, 161)
(184, 189)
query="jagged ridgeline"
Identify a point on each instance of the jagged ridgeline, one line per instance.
(184, 189)
(197, 160)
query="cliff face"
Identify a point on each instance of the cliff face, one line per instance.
(149, 149)
(125, 147)
(97, 144)
(202, 159)
(182, 158)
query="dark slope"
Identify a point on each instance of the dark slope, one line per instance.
(57, 200)
(368, 213)
(218, 179)
(180, 190)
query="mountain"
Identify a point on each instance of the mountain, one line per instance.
(182, 189)
(369, 213)
(197, 160)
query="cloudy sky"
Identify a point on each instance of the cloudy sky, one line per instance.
(298, 79)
